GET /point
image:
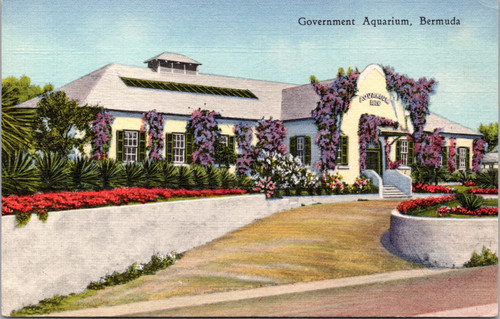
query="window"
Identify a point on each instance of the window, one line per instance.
(300, 146)
(342, 151)
(130, 143)
(462, 153)
(300, 149)
(224, 139)
(179, 147)
(404, 152)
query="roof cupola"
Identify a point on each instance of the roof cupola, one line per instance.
(173, 63)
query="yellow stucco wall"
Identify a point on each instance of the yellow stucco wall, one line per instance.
(372, 80)
(170, 126)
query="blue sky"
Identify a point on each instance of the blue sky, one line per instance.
(59, 41)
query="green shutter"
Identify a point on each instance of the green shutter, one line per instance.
(293, 146)
(398, 150)
(457, 158)
(307, 149)
(170, 147)
(231, 143)
(444, 152)
(411, 148)
(344, 144)
(142, 146)
(467, 158)
(119, 146)
(189, 148)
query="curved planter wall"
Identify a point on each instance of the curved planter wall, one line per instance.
(442, 242)
(76, 247)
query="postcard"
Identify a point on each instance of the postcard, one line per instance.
(250, 158)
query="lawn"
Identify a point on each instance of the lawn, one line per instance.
(304, 244)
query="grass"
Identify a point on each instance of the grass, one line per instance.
(304, 244)
(431, 211)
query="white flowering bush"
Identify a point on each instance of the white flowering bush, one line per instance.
(275, 174)
(282, 172)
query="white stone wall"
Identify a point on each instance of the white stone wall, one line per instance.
(442, 242)
(76, 247)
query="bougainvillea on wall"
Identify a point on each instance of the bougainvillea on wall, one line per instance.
(388, 163)
(415, 96)
(153, 123)
(270, 136)
(244, 136)
(205, 131)
(452, 152)
(368, 132)
(429, 150)
(334, 102)
(101, 129)
(478, 153)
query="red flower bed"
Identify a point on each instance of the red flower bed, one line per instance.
(42, 203)
(486, 191)
(414, 204)
(469, 183)
(459, 210)
(424, 188)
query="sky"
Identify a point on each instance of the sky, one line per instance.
(60, 41)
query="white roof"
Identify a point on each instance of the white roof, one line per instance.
(434, 121)
(104, 87)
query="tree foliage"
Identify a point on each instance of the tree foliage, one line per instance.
(61, 124)
(490, 134)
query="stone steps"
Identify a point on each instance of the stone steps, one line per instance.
(390, 191)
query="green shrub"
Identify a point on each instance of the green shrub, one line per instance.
(54, 172)
(244, 182)
(486, 258)
(487, 179)
(168, 175)
(83, 174)
(200, 177)
(185, 179)
(152, 173)
(214, 176)
(19, 174)
(134, 174)
(111, 174)
(228, 180)
(469, 201)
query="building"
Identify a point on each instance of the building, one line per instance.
(490, 159)
(172, 85)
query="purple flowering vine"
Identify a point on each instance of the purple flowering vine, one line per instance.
(388, 163)
(153, 123)
(270, 136)
(205, 131)
(101, 129)
(452, 156)
(334, 102)
(431, 148)
(478, 148)
(368, 132)
(415, 97)
(244, 136)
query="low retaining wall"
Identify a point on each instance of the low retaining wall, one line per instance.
(76, 247)
(442, 242)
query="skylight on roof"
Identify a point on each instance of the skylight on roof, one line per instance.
(190, 88)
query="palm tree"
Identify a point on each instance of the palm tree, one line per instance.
(16, 123)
